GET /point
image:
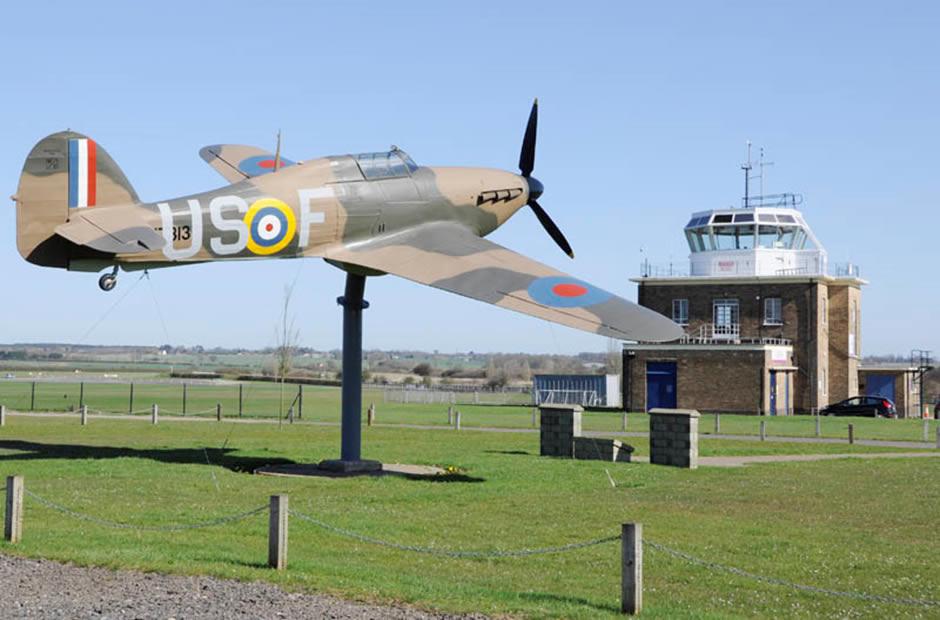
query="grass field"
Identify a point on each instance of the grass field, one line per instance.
(323, 404)
(867, 526)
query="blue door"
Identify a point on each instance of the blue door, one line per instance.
(660, 385)
(880, 385)
(773, 393)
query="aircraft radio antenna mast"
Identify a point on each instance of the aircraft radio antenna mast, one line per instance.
(277, 152)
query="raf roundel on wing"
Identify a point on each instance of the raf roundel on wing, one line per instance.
(566, 292)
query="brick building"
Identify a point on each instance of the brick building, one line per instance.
(768, 328)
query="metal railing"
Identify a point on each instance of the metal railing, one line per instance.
(710, 333)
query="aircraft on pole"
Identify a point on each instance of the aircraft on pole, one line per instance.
(368, 214)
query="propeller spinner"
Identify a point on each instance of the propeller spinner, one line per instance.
(526, 165)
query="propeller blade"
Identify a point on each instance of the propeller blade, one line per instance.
(527, 154)
(550, 227)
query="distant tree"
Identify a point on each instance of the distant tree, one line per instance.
(423, 369)
(408, 380)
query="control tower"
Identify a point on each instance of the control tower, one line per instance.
(771, 327)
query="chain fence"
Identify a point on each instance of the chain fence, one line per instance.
(449, 553)
(861, 596)
(488, 553)
(144, 528)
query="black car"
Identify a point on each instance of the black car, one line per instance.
(869, 406)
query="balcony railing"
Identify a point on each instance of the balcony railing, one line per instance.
(711, 333)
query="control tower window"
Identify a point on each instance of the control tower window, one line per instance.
(734, 237)
(777, 237)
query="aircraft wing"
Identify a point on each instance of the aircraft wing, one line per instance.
(237, 162)
(448, 256)
(115, 230)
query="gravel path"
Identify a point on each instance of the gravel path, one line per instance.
(44, 589)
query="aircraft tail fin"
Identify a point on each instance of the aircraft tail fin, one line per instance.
(65, 172)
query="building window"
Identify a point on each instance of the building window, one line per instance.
(726, 319)
(680, 311)
(773, 311)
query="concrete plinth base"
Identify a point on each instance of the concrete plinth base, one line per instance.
(419, 472)
(340, 466)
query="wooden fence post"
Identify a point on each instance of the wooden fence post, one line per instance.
(154, 414)
(457, 419)
(370, 414)
(218, 412)
(3, 415)
(84, 415)
(130, 403)
(717, 423)
(184, 399)
(763, 430)
(300, 401)
(450, 416)
(240, 400)
(277, 533)
(851, 433)
(13, 517)
(81, 393)
(631, 588)
(32, 397)
(818, 433)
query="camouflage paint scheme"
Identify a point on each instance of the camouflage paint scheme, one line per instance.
(425, 224)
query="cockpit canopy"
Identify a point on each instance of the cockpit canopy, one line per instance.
(747, 229)
(385, 165)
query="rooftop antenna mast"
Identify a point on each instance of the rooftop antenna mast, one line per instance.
(763, 164)
(747, 175)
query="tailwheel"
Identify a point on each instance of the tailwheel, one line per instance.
(108, 281)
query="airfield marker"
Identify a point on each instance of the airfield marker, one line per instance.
(84, 415)
(154, 414)
(13, 521)
(277, 533)
(631, 583)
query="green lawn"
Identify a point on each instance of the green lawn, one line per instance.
(866, 526)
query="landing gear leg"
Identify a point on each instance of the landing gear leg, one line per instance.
(109, 280)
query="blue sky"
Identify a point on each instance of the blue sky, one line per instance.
(645, 110)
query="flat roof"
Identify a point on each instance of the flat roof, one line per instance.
(662, 281)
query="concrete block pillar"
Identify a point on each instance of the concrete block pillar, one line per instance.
(674, 437)
(560, 425)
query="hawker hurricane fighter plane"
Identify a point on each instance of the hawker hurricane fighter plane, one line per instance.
(368, 214)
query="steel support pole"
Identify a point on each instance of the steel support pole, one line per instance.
(353, 304)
